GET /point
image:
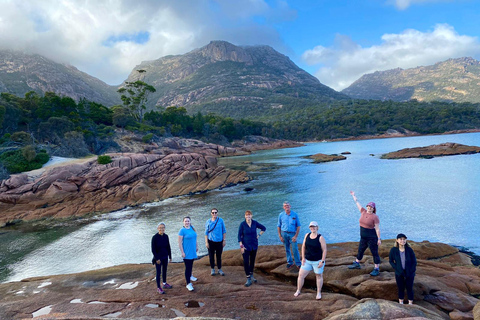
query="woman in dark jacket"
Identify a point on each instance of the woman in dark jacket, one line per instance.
(248, 240)
(162, 253)
(403, 261)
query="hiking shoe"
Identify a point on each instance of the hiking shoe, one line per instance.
(167, 286)
(160, 291)
(289, 265)
(375, 272)
(354, 265)
(190, 287)
(212, 273)
(192, 278)
(220, 272)
(249, 282)
(253, 278)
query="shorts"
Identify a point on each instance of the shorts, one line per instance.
(313, 265)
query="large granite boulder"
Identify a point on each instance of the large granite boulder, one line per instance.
(438, 150)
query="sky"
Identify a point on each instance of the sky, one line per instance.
(337, 41)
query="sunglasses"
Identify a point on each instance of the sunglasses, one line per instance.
(214, 212)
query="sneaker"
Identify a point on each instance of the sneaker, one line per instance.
(289, 265)
(220, 272)
(212, 273)
(354, 265)
(167, 286)
(249, 282)
(192, 278)
(190, 287)
(375, 272)
(160, 291)
(253, 278)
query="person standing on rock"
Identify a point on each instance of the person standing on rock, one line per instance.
(187, 242)
(403, 261)
(369, 235)
(314, 253)
(248, 240)
(215, 233)
(288, 228)
(162, 254)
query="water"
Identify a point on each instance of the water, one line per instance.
(434, 199)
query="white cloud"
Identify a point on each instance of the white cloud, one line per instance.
(404, 4)
(346, 61)
(98, 36)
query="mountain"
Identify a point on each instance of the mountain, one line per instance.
(231, 80)
(21, 73)
(453, 80)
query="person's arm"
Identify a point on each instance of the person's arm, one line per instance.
(294, 239)
(359, 206)
(154, 250)
(206, 233)
(240, 238)
(180, 245)
(303, 249)
(224, 233)
(169, 249)
(391, 258)
(377, 230)
(323, 244)
(206, 242)
(279, 225)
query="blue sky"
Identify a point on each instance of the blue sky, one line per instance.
(335, 40)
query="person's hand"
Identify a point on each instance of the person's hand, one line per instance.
(320, 264)
(294, 239)
(224, 243)
(196, 250)
(206, 245)
(281, 239)
(242, 250)
(379, 242)
(352, 193)
(170, 260)
(183, 255)
(303, 261)
(158, 261)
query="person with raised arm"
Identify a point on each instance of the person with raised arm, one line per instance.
(369, 235)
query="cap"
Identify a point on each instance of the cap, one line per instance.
(401, 235)
(371, 204)
(313, 224)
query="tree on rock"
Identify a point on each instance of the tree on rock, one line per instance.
(135, 95)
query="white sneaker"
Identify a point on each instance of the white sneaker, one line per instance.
(190, 287)
(192, 278)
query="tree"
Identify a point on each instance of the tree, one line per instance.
(135, 95)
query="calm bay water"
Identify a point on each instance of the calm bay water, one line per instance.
(435, 199)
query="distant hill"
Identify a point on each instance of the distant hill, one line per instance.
(231, 80)
(21, 73)
(455, 80)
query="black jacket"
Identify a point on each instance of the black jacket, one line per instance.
(161, 247)
(410, 261)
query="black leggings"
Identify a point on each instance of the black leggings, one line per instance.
(161, 268)
(249, 261)
(371, 243)
(188, 269)
(404, 282)
(215, 249)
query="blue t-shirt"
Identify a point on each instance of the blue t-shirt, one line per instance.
(189, 243)
(216, 228)
(288, 223)
(248, 235)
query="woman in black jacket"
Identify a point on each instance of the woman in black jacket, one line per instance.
(403, 260)
(162, 254)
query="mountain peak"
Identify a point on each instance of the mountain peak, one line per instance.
(219, 50)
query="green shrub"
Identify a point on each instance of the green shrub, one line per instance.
(42, 157)
(147, 138)
(29, 153)
(104, 159)
(15, 162)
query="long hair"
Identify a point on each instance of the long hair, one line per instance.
(397, 246)
(187, 217)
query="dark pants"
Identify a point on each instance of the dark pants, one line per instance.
(404, 282)
(371, 243)
(249, 261)
(161, 268)
(188, 269)
(215, 249)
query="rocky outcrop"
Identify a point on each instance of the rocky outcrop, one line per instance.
(320, 157)
(79, 189)
(445, 288)
(438, 150)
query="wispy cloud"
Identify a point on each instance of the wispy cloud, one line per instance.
(404, 4)
(108, 38)
(346, 61)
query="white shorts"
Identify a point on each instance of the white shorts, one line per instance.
(313, 265)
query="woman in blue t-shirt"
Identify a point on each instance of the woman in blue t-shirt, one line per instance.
(248, 240)
(187, 242)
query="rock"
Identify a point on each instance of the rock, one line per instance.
(320, 157)
(347, 294)
(130, 179)
(346, 152)
(444, 149)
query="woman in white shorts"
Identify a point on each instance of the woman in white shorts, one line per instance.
(314, 252)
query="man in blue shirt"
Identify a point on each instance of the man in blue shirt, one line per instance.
(288, 228)
(215, 240)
